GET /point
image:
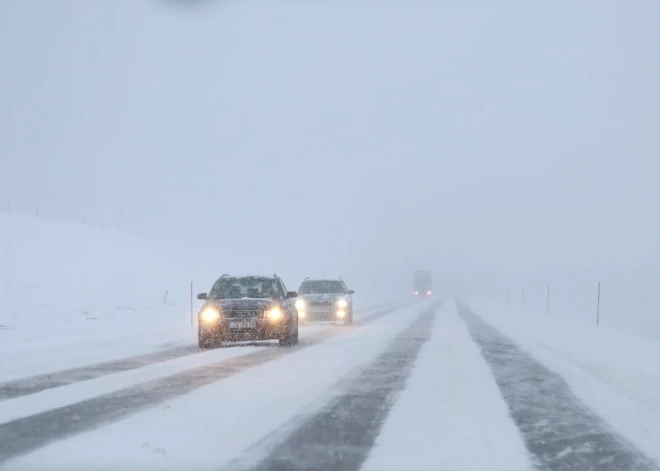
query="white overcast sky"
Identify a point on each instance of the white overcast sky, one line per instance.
(473, 137)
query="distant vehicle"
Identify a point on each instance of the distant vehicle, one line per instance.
(422, 283)
(325, 300)
(247, 308)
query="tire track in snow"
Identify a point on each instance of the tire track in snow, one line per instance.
(560, 432)
(35, 384)
(30, 433)
(31, 385)
(341, 435)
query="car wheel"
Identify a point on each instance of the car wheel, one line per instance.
(349, 319)
(288, 338)
(206, 341)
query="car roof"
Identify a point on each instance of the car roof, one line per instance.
(267, 277)
(324, 279)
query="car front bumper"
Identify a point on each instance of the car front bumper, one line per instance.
(264, 329)
(324, 314)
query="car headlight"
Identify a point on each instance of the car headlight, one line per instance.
(274, 314)
(341, 313)
(210, 314)
(300, 304)
(342, 303)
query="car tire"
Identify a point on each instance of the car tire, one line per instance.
(289, 339)
(349, 318)
(206, 341)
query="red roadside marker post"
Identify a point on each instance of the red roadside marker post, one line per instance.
(598, 306)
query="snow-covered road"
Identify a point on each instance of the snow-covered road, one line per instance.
(421, 385)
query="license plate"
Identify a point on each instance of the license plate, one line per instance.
(242, 325)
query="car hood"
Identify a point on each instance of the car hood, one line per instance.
(322, 297)
(242, 304)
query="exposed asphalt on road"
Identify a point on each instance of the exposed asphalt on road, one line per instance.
(560, 432)
(35, 384)
(341, 435)
(23, 435)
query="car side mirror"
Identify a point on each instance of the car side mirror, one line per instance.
(202, 296)
(350, 291)
(291, 294)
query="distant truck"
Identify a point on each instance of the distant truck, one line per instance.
(422, 282)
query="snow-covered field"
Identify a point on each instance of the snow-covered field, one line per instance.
(73, 295)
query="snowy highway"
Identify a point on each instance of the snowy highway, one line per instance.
(318, 236)
(412, 385)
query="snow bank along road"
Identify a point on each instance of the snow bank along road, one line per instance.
(415, 385)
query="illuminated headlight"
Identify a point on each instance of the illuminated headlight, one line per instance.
(429, 292)
(342, 303)
(341, 313)
(210, 314)
(301, 313)
(300, 304)
(274, 314)
(416, 293)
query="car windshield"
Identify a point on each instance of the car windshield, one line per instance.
(245, 287)
(322, 287)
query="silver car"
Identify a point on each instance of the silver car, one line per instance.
(325, 300)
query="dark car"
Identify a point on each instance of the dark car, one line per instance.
(325, 300)
(248, 308)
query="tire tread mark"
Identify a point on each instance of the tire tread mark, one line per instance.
(341, 435)
(27, 434)
(560, 432)
(35, 384)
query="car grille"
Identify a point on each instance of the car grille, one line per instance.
(241, 314)
(321, 303)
